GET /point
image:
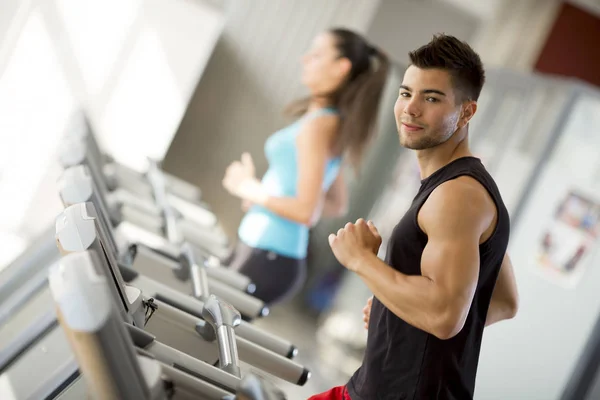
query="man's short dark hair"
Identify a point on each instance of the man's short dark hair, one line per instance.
(458, 58)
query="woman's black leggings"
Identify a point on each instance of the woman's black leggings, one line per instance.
(277, 278)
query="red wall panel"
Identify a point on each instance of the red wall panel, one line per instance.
(573, 46)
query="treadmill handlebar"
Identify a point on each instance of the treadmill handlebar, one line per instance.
(157, 181)
(197, 272)
(219, 313)
(172, 231)
(223, 319)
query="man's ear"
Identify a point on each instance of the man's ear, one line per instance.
(469, 109)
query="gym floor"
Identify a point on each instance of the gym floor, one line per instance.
(291, 322)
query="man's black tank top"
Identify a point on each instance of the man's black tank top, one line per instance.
(402, 362)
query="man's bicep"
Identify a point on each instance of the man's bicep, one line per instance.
(453, 228)
(452, 264)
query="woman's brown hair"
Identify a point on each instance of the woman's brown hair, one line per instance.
(358, 99)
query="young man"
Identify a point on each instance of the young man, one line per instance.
(446, 275)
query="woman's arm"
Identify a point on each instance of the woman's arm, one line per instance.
(313, 150)
(313, 146)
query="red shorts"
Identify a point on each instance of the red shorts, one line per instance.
(337, 393)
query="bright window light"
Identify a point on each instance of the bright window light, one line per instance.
(97, 31)
(12, 246)
(35, 103)
(6, 389)
(145, 107)
(158, 78)
(189, 45)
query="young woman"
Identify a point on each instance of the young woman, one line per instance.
(345, 76)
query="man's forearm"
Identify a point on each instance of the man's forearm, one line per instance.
(498, 312)
(412, 298)
(505, 297)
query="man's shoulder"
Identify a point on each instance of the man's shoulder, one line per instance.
(456, 202)
(464, 192)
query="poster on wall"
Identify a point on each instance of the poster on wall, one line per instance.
(567, 242)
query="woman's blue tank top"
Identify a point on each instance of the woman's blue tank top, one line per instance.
(262, 229)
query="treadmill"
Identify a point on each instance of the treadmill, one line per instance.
(196, 219)
(178, 320)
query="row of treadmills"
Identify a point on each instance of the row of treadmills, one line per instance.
(125, 297)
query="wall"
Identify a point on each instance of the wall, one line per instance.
(533, 355)
(253, 73)
(400, 26)
(513, 36)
